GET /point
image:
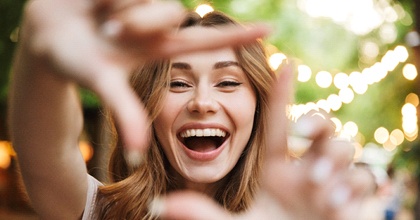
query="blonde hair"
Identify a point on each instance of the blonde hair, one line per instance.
(128, 196)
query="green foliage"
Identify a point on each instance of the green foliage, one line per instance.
(10, 11)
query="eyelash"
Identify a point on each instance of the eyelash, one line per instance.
(227, 83)
(179, 84)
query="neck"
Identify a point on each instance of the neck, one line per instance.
(208, 189)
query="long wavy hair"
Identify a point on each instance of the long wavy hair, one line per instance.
(131, 189)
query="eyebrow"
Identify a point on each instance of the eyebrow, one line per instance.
(218, 65)
(224, 64)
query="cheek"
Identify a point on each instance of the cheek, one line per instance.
(243, 110)
(164, 121)
(170, 110)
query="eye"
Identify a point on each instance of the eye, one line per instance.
(228, 83)
(179, 84)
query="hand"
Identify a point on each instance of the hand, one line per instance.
(321, 185)
(97, 43)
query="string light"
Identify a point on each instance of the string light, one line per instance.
(409, 71)
(203, 9)
(276, 60)
(5, 157)
(358, 83)
(381, 135)
(304, 73)
(357, 16)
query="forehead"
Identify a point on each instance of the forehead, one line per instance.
(221, 54)
(212, 56)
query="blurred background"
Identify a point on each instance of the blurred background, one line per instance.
(355, 59)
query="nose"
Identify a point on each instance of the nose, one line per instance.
(202, 102)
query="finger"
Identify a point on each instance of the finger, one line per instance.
(112, 6)
(187, 205)
(336, 158)
(129, 113)
(278, 122)
(362, 181)
(346, 197)
(211, 38)
(313, 125)
(149, 20)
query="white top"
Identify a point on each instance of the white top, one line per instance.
(93, 185)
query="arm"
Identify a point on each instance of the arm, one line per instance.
(46, 120)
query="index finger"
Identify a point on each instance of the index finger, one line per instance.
(277, 120)
(196, 39)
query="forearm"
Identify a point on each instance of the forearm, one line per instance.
(45, 121)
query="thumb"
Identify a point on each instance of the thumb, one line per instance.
(187, 205)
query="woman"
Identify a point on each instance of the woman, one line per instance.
(223, 93)
(216, 85)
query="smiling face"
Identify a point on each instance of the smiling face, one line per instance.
(207, 115)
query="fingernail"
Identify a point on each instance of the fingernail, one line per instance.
(156, 207)
(321, 170)
(339, 196)
(134, 158)
(111, 28)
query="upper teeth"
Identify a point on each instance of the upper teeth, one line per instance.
(208, 132)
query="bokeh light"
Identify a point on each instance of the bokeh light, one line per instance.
(203, 9)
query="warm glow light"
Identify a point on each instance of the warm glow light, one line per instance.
(5, 158)
(409, 125)
(397, 137)
(358, 16)
(409, 121)
(370, 50)
(401, 53)
(276, 59)
(203, 9)
(389, 146)
(323, 79)
(334, 102)
(304, 73)
(381, 135)
(390, 60)
(346, 95)
(408, 109)
(86, 150)
(410, 71)
(350, 128)
(388, 33)
(341, 80)
(411, 136)
(412, 98)
(358, 82)
(323, 104)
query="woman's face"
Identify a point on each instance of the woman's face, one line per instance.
(207, 116)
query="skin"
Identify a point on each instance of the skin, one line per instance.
(207, 90)
(46, 117)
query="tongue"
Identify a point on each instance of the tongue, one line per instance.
(201, 144)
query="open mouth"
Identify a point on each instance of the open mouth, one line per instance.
(203, 140)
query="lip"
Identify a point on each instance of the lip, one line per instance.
(202, 156)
